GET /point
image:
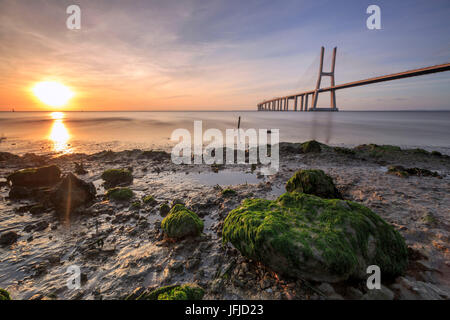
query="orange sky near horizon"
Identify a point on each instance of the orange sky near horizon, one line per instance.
(216, 55)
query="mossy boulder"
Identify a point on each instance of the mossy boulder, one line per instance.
(377, 151)
(117, 177)
(406, 172)
(136, 205)
(4, 295)
(181, 222)
(35, 177)
(175, 292)
(308, 237)
(314, 182)
(311, 146)
(149, 200)
(120, 194)
(436, 153)
(228, 192)
(164, 209)
(345, 151)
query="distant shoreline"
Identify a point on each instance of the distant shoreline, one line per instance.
(160, 111)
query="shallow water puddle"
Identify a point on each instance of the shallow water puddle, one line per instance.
(221, 178)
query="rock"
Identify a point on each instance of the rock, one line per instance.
(177, 201)
(377, 151)
(354, 293)
(71, 193)
(17, 192)
(314, 182)
(311, 146)
(406, 172)
(410, 289)
(117, 177)
(326, 289)
(379, 294)
(4, 295)
(8, 238)
(40, 226)
(228, 193)
(164, 209)
(304, 236)
(120, 194)
(37, 209)
(155, 155)
(79, 168)
(35, 177)
(181, 222)
(175, 292)
(217, 285)
(139, 291)
(149, 200)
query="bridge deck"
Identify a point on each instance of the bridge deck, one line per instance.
(394, 76)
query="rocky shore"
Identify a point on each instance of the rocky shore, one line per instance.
(141, 227)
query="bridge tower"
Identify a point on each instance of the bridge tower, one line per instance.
(325, 74)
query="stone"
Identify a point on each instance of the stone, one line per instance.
(181, 222)
(117, 177)
(314, 182)
(71, 193)
(120, 194)
(175, 292)
(379, 294)
(311, 146)
(35, 177)
(354, 293)
(326, 289)
(304, 236)
(8, 238)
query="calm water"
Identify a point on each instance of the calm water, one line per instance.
(89, 132)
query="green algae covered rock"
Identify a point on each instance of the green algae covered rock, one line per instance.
(117, 177)
(228, 192)
(149, 200)
(406, 172)
(308, 237)
(314, 182)
(377, 151)
(311, 146)
(35, 177)
(120, 194)
(4, 295)
(175, 292)
(181, 222)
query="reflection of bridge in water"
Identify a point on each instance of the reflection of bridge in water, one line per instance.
(282, 103)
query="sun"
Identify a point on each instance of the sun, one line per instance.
(53, 94)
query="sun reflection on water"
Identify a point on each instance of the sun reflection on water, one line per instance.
(59, 134)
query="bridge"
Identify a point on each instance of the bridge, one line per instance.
(282, 103)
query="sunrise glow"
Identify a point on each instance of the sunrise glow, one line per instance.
(53, 94)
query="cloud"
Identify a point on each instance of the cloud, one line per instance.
(173, 54)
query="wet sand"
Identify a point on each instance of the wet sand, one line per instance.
(135, 254)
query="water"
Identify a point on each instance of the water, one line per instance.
(90, 132)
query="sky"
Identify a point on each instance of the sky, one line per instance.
(220, 55)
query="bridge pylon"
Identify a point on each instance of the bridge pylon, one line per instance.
(319, 79)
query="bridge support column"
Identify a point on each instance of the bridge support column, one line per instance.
(322, 74)
(295, 103)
